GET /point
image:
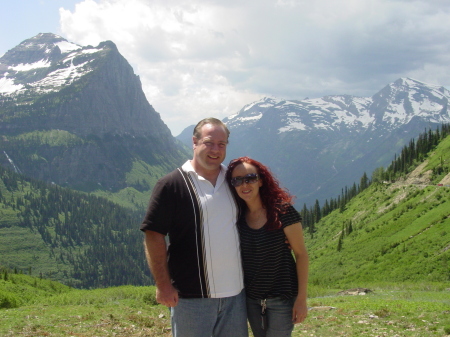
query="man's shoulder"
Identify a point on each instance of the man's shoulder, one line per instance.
(172, 177)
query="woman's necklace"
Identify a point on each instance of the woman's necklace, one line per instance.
(256, 219)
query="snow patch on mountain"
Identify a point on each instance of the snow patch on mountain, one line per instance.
(61, 77)
(66, 46)
(250, 118)
(7, 85)
(30, 66)
(292, 125)
(263, 103)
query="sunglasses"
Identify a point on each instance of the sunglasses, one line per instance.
(250, 178)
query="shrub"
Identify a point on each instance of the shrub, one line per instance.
(8, 300)
(149, 298)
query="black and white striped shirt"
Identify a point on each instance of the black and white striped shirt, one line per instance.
(269, 266)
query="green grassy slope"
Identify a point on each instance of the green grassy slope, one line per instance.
(389, 232)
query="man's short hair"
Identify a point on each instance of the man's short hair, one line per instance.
(210, 120)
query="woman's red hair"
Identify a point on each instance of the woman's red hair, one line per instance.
(274, 198)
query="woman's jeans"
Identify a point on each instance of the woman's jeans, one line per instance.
(278, 321)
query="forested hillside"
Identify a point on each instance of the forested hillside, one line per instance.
(79, 239)
(396, 229)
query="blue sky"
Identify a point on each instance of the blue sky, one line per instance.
(199, 58)
(20, 20)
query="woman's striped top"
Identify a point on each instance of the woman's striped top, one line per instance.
(269, 266)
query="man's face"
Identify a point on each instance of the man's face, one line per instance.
(210, 150)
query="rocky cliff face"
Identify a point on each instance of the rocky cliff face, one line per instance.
(77, 116)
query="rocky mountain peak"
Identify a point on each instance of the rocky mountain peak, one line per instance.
(406, 98)
(44, 48)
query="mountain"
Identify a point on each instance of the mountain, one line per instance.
(318, 146)
(77, 116)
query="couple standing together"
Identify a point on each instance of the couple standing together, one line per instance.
(227, 227)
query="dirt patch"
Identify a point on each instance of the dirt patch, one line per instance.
(355, 291)
(418, 176)
(446, 180)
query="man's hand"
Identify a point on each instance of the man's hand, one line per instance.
(167, 295)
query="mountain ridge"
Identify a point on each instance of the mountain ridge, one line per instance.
(347, 110)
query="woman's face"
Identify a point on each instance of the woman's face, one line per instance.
(248, 189)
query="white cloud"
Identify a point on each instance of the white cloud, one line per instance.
(203, 58)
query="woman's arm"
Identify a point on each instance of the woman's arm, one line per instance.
(294, 234)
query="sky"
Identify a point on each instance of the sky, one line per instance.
(202, 58)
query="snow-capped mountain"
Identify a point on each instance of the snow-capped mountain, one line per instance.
(85, 90)
(326, 113)
(395, 105)
(77, 116)
(318, 146)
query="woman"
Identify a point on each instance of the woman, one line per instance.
(275, 283)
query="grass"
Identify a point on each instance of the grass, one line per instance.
(116, 311)
(51, 138)
(123, 318)
(391, 309)
(399, 233)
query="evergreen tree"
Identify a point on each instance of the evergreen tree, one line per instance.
(364, 182)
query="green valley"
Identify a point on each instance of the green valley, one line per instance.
(79, 239)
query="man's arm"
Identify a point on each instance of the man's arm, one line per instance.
(156, 253)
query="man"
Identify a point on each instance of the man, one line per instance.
(200, 275)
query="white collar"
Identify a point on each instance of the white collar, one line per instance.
(187, 167)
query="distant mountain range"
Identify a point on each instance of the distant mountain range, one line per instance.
(77, 116)
(318, 146)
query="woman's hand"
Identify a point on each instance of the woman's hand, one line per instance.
(299, 311)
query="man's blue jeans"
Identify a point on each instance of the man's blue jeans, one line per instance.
(206, 317)
(279, 317)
